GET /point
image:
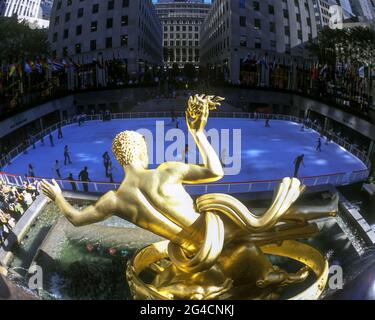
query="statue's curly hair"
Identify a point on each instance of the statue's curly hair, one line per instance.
(128, 146)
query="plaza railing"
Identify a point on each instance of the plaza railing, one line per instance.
(335, 179)
(229, 187)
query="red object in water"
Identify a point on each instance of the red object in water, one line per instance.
(112, 251)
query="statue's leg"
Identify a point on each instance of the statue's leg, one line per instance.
(246, 264)
(305, 213)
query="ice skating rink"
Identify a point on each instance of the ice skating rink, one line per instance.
(265, 154)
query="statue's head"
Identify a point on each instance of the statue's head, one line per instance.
(129, 148)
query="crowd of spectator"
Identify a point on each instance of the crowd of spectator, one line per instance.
(14, 201)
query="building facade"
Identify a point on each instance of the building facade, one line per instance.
(265, 30)
(126, 30)
(322, 15)
(28, 10)
(181, 29)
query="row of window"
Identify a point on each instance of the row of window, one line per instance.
(178, 43)
(181, 35)
(95, 7)
(181, 28)
(93, 28)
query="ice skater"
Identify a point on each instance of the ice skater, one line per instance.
(110, 171)
(267, 124)
(31, 173)
(319, 145)
(58, 168)
(59, 132)
(51, 140)
(177, 123)
(32, 141)
(72, 182)
(84, 177)
(106, 161)
(42, 139)
(67, 156)
(297, 163)
(173, 116)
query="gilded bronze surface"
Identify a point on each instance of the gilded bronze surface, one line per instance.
(216, 247)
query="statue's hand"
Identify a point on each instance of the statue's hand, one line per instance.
(198, 111)
(51, 190)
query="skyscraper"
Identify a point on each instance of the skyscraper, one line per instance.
(30, 11)
(91, 29)
(181, 21)
(236, 30)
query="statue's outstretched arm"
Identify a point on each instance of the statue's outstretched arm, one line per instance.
(211, 170)
(103, 209)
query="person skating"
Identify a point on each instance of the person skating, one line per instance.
(319, 145)
(84, 177)
(31, 173)
(106, 160)
(72, 182)
(297, 163)
(51, 140)
(267, 124)
(42, 139)
(67, 155)
(59, 132)
(110, 171)
(58, 168)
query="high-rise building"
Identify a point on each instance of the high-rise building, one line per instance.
(30, 11)
(363, 9)
(127, 30)
(181, 21)
(235, 30)
(322, 15)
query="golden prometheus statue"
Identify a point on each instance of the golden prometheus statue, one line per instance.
(215, 248)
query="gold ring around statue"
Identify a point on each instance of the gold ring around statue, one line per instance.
(295, 250)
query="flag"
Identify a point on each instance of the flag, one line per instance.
(38, 67)
(27, 68)
(361, 72)
(20, 70)
(12, 70)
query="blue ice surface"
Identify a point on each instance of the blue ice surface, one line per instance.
(266, 153)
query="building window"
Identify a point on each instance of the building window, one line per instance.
(125, 3)
(67, 17)
(78, 48)
(66, 33)
(111, 5)
(257, 24)
(108, 42)
(271, 9)
(124, 40)
(109, 23)
(79, 30)
(256, 6)
(54, 37)
(93, 45)
(80, 13)
(95, 8)
(242, 21)
(124, 20)
(94, 26)
(243, 41)
(272, 27)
